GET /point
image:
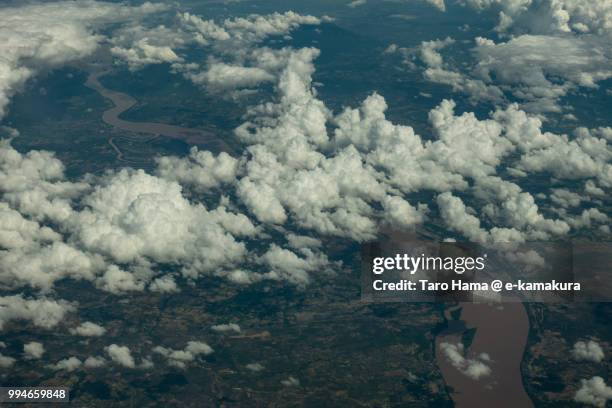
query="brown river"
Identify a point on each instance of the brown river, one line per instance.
(501, 332)
(122, 102)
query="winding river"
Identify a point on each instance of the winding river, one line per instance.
(122, 102)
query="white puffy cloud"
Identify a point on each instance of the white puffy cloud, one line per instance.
(549, 48)
(140, 46)
(117, 281)
(42, 312)
(19, 232)
(121, 355)
(285, 264)
(455, 214)
(429, 51)
(94, 362)
(43, 266)
(201, 169)
(33, 350)
(34, 184)
(133, 215)
(525, 64)
(475, 368)
(565, 198)
(588, 351)
(88, 329)
(180, 358)
(67, 364)
(594, 391)
(221, 76)
(302, 241)
(6, 362)
(550, 17)
(165, 284)
(586, 156)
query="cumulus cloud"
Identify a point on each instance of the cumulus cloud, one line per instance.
(88, 329)
(68, 364)
(133, 215)
(33, 350)
(200, 170)
(180, 358)
(220, 76)
(94, 362)
(121, 355)
(6, 362)
(594, 391)
(236, 62)
(475, 368)
(525, 64)
(140, 46)
(550, 17)
(42, 312)
(165, 284)
(550, 48)
(588, 351)
(455, 214)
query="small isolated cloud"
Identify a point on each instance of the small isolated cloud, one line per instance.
(255, 367)
(588, 351)
(291, 382)
(67, 364)
(94, 362)
(121, 355)
(475, 368)
(33, 350)
(88, 329)
(6, 362)
(594, 392)
(180, 358)
(222, 328)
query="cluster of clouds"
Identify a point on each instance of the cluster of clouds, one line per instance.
(235, 62)
(304, 168)
(344, 174)
(475, 368)
(588, 351)
(594, 391)
(547, 50)
(121, 356)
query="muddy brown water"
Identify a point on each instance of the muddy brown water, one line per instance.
(122, 102)
(501, 332)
